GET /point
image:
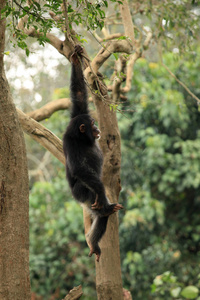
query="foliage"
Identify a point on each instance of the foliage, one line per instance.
(160, 174)
(58, 252)
(161, 162)
(160, 227)
(166, 285)
(39, 17)
(174, 23)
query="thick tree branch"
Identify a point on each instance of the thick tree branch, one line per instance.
(63, 48)
(42, 135)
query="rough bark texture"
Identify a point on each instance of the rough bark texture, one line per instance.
(108, 270)
(75, 293)
(14, 225)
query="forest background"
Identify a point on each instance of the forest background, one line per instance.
(159, 122)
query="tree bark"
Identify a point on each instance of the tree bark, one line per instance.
(14, 206)
(108, 269)
(42, 135)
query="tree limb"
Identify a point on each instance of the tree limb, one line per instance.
(75, 293)
(47, 110)
(133, 58)
(120, 66)
(42, 135)
(127, 21)
(62, 47)
(108, 37)
(122, 46)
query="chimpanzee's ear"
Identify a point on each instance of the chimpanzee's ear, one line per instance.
(82, 128)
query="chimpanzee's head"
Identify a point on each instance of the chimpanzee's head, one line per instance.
(82, 127)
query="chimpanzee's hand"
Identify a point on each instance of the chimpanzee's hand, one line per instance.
(78, 49)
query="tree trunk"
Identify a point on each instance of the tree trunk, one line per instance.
(14, 206)
(108, 269)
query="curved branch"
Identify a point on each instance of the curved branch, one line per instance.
(109, 37)
(63, 48)
(47, 110)
(42, 135)
(132, 60)
(122, 46)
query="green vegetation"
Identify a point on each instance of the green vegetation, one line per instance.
(160, 227)
(160, 230)
(160, 130)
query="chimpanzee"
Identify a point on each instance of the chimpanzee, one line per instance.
(84, 158)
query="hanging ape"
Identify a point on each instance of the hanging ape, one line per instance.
(84, 158)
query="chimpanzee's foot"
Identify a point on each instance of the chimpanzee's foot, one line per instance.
(117, 207)
(111, 209)
(97, 252)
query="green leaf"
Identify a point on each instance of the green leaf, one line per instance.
(27, 52)
(190, 292)
(158, 281)
(116, 56)
(123, 37)
(175, 292)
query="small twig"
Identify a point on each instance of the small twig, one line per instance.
(27, 11)
(174, 76)
(147, 40)
(109, 37)
(180, 82)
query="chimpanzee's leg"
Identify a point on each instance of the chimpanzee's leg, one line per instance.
(82, 193)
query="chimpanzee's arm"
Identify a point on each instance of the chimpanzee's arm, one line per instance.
(78, 87)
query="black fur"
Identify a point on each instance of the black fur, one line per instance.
(84, 158)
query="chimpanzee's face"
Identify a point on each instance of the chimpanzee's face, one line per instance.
(90, 129)
(95, 131)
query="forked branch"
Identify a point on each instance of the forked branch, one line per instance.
(42, 135)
